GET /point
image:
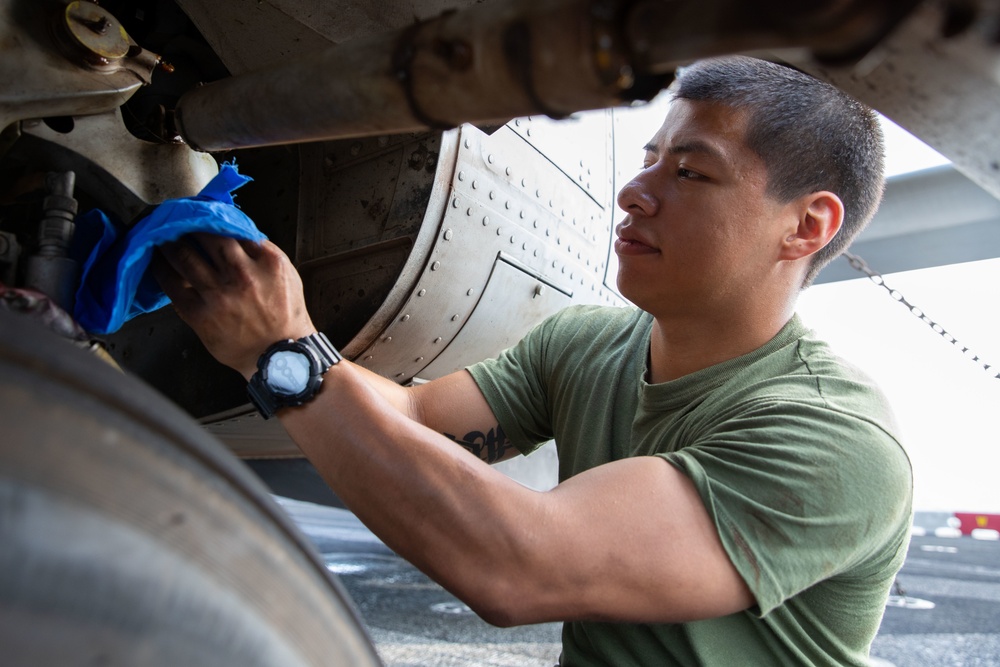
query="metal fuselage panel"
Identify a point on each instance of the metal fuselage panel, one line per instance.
(508, 235)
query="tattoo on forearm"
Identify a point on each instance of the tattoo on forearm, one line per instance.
(490, 447)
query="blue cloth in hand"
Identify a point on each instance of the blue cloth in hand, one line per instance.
(115, 286)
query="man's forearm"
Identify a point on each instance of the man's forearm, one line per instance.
(397, 396)
(436, 506)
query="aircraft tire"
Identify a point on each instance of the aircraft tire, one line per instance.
(129, 536)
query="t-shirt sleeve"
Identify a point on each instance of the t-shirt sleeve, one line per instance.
(799, 492)
(515, 387)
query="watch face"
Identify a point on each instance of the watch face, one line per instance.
(288, 372)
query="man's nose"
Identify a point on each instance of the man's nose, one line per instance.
(637, 198)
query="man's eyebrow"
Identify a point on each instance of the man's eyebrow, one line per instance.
(693, 146)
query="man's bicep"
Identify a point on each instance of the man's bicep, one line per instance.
(454, 405)
(630, 541)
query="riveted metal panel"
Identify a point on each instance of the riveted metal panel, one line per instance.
(513, 302)
(504, 198)
(369, 212)
(579, 146)
(399, 238)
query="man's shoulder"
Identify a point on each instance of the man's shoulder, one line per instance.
(808, 368)
(807, 378)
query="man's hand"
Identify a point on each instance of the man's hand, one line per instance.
(239, 297)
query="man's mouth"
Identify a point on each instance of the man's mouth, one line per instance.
(630, 246)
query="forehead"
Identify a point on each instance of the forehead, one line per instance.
(708, 128)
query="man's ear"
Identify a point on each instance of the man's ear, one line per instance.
(820, 215)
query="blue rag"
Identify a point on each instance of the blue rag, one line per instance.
(115, 286)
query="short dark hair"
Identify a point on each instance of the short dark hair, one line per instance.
(810, 135)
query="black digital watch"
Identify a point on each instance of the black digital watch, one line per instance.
(290, 372)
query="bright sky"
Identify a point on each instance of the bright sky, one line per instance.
(948, 408)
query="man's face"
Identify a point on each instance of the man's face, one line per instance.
(700, 233)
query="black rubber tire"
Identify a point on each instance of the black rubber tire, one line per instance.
(128, 536)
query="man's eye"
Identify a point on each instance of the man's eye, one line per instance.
(686, 173)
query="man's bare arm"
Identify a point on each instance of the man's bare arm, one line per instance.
(472, 425)
(627, 541)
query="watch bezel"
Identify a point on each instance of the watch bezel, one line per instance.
(316, 371)
(322, 356)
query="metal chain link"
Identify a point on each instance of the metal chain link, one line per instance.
(876, 277)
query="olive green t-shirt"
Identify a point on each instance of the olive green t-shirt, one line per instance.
(791, 449)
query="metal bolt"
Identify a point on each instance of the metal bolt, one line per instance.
(435, 266)
(98, 26)
(448, 233)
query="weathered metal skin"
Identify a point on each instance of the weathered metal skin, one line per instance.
(497, 61)
(938, 76)
(55, 63)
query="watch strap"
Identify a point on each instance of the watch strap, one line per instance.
(328, 354)
(260, 397)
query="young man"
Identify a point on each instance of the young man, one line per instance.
(731, 492)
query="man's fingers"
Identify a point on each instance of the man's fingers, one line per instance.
(189, 260)
(251, 248)
(223, 252)
(165, 275)
(174, 285)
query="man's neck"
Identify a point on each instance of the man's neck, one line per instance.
(678, 348)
